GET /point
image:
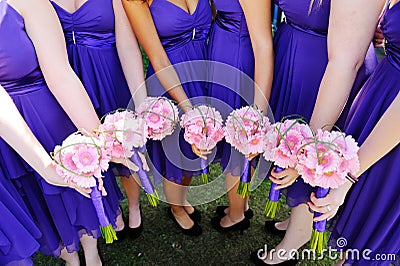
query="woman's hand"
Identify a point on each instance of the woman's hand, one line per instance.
(129, 164)
(284, 178)
(50, 176)
(329, 205)
(201, 153)
(251, 156)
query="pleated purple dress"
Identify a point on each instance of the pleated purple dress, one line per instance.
(184, 38)
(61, 214)
(230, 79)
(91, 47)
(301, 57)
(370, 217)
(18, 233)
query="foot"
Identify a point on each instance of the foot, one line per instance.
(120, 224)
(93, 261)
(228, 221)
(282, 225)
(182, 218)
(135, 219)
(71, 259)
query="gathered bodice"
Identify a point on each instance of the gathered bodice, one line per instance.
(19, 67)
(390, 26)
(299, 14)
(92, 24)
(177, 27)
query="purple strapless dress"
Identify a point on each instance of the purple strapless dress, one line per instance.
(184, 38)
(91, 47)
(18, 233)
(370, 217)
(61, 214)
(300, 60)
(231, 84)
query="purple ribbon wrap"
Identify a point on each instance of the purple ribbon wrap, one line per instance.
(204, 166)
(321, 225)
(96, 198)
(245, 177)
(144, 178)
(274, 195)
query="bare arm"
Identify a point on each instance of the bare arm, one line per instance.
(129, 54)
(258, 18)
(382, 139)
(351, 30)
(17, 134)
(141, 21)
(44, 29)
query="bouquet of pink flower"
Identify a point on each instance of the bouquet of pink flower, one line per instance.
(160, 115)
(283, 143)
(125, 136)
(244, 130)
(204, 128)
(81, 158)
(325, 163)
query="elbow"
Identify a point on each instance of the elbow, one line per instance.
(350, 62)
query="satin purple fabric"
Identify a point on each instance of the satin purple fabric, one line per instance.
(184, 38)
(230, 44)
(61, 214)
(301, 57)
(370, 217)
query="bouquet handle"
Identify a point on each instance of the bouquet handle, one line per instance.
(144, 178)
(273, 204)
(243, 189)
(318, 236)
(204, 169)
(107, 231)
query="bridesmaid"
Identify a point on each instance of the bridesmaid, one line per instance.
(104, 54)
(172, 32)
(301, 58)
(34, 43)
(18, 233)
(241, 37)
(373, 121)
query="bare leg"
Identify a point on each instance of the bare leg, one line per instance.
(298, 232)
(236, 202)
(176, 197)
(186, 183)
(71, 259)
(89, 245)
(246, 200)
(132, 191)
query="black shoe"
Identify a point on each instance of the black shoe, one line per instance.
(220, 211)
(240, 226)
(124, 232)
(195, 230)
(137, 231)
(259, 262)
(270, 228)
(195, 216)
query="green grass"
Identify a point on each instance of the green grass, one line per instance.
(161, 242)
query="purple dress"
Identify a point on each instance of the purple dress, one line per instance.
(18, 232)
(91, 47)
(231, 83)
(370, 217)
(300, 60)
(61, 214)
(90, 37)
(184, 38)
